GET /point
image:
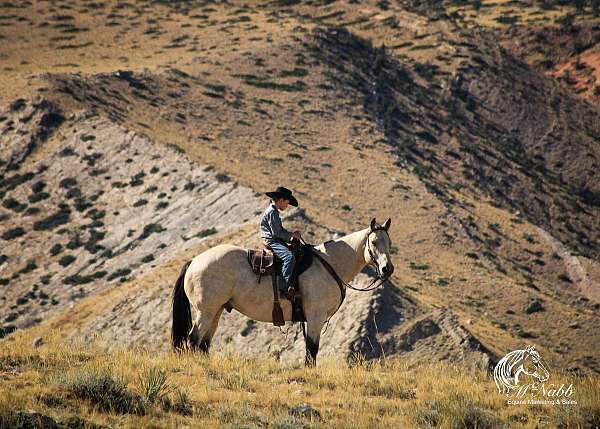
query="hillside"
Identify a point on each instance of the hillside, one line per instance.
(136, 134)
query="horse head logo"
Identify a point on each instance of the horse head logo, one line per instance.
(516, 364)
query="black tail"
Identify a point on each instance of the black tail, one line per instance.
(182, 315)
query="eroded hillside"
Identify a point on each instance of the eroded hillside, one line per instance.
(487, 168)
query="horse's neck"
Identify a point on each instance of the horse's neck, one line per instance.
(347, 254)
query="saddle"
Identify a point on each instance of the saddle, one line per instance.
(264, 262)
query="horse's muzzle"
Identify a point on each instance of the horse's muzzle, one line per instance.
(387, 271)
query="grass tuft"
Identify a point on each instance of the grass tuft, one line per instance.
(104, 390)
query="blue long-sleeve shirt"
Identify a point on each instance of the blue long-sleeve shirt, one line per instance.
(271, 227)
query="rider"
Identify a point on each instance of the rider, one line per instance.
(276, 236)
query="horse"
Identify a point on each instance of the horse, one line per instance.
(510, 367)
(221, 277)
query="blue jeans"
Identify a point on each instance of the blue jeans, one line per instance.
(287, 259)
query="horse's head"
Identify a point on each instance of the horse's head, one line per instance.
(377, 248)
(533, 365)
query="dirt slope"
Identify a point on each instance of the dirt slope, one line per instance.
(99, 204)
(486, 167)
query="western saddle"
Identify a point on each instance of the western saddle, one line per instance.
(264, 262)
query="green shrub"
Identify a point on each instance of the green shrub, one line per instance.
(14, 181)
(565, 278)
(153, 385)
(107, 253)
(77, 279)
(32, 210)
(67, 182)
(148, 258)
(75, 242)
(182, 403)
(201, 234)
(73, 193)
(66, 152)
(428, 418)
(13, 233)
(66, 260)
(31, 265)
(137, 180)
(122, 272)
(14, 205)
(175, 148)
(416, 266)
(379, 387)
(103, 390)
(39, 196)
(59, 218)
(81, 204)
(472, 416)
(56, 249)
(222, 178)
(151, 228)
(96, 214)
(535, 306)
(38, 187)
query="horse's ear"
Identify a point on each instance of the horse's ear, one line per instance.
(373, 223)
(387, 223)
(530, 348)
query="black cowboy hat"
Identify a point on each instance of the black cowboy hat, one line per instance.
(285, 193)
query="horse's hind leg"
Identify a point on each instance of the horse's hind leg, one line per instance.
(199, 330)
(203, 330)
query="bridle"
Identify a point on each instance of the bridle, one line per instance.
(381, 277)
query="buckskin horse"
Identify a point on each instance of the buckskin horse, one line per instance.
(221, 277)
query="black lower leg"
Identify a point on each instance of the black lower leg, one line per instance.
(204, 345)
(194, 340)
(312, 348)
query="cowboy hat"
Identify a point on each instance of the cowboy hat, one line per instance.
(284, 193)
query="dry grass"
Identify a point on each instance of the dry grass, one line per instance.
(134, 388)
(234, 392)
(505, 12)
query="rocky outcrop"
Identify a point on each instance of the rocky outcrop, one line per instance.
(103, 205)
(23, 126)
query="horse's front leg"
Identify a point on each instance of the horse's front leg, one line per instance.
(314, 326)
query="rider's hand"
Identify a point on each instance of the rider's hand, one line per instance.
(296, 234)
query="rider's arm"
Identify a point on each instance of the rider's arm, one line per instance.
(277, 228)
